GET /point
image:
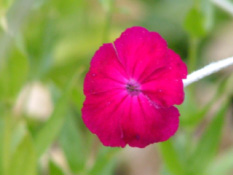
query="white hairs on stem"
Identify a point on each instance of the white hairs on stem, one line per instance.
(207, 70)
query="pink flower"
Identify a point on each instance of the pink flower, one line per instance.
(131, 88)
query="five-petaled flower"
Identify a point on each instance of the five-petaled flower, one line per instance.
(131, 88)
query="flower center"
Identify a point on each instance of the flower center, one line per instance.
(133, 88)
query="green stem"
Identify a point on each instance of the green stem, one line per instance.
(193, 49)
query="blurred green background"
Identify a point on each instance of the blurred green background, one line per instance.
(45, 50)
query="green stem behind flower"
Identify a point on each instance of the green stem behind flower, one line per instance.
(193, 49)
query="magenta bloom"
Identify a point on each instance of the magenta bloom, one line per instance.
(131, 88)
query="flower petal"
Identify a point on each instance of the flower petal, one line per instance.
(141, 52)
(106, 72)
(131, 88)
(145, 124)
(177, 65)
(133, 120)
(165, 86)
(101, 114)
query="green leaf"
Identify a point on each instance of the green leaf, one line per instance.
(222, 165)
(52, 127)
(14, 74)
(8, 126)
(200, 18)
(208, 144)
(105, 161)
(108, 168)
(188, 110)
(78, 97)
(23, 161)
(208, 11)
(12, 134)
(71, 141)
(18, 134)
(55, 169)
(4, 5)
(106, 4)
(170, 158)
(194, 23)
(191, 115)
(165, 171)
(1, 144)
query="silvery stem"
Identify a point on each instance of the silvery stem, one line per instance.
(225, 5)
(207, 70)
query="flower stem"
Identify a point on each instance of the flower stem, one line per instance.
(207, 70)
(192, 53)
(225, 5)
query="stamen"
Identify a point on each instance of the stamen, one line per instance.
(133, 88)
